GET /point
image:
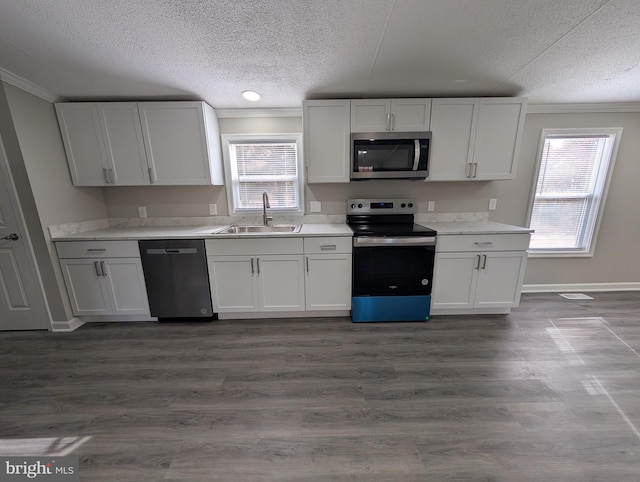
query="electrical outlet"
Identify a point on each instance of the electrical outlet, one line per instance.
(316, 206)
(492, 204)
(213, 209)
(431, 206)
(142, 211)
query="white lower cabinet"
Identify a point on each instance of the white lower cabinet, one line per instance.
(99, 285)
(328, 273)
(256, 275)
(478, 273)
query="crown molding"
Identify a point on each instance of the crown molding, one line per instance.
(583, 108)
(274, 112)
(27, 85)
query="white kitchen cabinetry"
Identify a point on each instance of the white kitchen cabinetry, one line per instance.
(328, 273)
(388, 115)
(475, 139)
(131, 143)
(478, 273)
(326, 140)
(103, 277)
(256, 275)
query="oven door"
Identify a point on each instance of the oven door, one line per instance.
(398, 266)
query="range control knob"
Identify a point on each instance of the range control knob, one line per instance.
(403, 205)
(410, 205)
(353, 206)
(359, 205)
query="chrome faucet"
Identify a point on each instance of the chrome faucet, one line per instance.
(265, 205)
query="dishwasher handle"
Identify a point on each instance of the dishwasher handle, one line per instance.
(172, 251)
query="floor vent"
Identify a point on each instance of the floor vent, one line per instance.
(576, 296)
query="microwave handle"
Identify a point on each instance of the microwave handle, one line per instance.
(416, 157)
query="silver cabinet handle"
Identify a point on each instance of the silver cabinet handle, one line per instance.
(475, 169)
(388, 122)
(258, 264)
(151, 176)
(483, 243)
(105, 174)
(96, 266)
(252, 270)
(328, 247)
(470, 170)
(307, 264)
(96, 250)
(393, 122)
(102, 268)
(111, 176)
(477, 265)
(484, 261)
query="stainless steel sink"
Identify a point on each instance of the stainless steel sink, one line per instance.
(281, 228)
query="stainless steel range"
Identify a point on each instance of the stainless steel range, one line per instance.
(392, 261)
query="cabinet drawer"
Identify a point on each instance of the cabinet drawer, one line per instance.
(253, 246)
(333, 244)
(483, 242)
(97, 249)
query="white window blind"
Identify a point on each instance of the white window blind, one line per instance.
(265, 166)
(572, 175)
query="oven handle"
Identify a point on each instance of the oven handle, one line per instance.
(404, 241)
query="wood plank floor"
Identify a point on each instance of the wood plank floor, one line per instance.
(550, 392)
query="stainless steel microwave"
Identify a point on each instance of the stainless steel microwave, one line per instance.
(390, 155)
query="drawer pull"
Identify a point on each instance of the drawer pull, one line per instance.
(328, 247)
(483, 243)
(96, 250)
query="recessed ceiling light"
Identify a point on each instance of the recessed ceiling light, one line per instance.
(251, 95)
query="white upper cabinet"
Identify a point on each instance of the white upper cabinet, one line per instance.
(388, 115)
(326, 140)
(122, 134)
(182, 142)
(84, 143)
(475, 139)
(130, 143)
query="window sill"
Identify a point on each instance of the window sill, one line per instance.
(559, 254)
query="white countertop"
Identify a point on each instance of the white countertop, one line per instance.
(196, 232)
(474, 227)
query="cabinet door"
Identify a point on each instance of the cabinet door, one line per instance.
(176, 142)
(83, 278)
(83, 143)
(233, 283)
(124, 145)
(327, 140)
(370, 115)
(123, 280)
(454, 280)
(497, 146)
(280, 282)
(453, 130)
(500, 279)
(328, 281)
(410, 115)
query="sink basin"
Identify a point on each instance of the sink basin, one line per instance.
(281, 228)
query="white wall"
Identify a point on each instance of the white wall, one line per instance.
(49, 185)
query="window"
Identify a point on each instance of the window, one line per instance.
(263, 163)
(574, 168)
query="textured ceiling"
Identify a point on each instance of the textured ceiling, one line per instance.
(552, 51)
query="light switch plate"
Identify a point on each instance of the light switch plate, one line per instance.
(431, 206)
(213, 209)
(142, 211)
(316, 206)
(492, 204)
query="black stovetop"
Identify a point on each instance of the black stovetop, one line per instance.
(389, 229)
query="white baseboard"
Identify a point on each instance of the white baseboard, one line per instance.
(66, 326)
(573, 287)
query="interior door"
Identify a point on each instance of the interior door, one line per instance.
(22, 305)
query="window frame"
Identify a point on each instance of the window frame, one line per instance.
(231, 185)
(599, 204)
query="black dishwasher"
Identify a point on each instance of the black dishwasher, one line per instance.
(175, 272)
